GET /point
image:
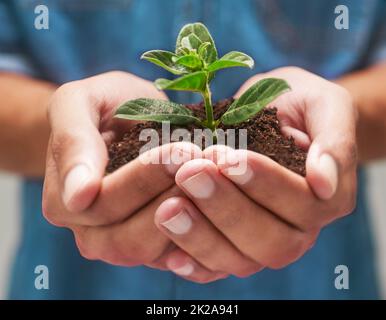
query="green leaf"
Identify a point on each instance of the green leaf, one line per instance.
(190, 61)
(156, 110)
(191, 42)
(265, 89)
(254, 100)
(241, 114)
(195, 81)
(232, 59)
(164, 59)
(194, 32)
(203, 50)
(182, 52)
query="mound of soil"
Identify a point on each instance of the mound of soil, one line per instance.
(263, 136)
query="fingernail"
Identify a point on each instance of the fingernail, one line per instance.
(329, 168)
(185, 270)
(226, 156)
(179, 224)
(74, 181)
(239, 175)
(200, 186)
(176, 157)
(234, 164)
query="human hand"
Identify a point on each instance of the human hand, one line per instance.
(111, 216)
(268, 216)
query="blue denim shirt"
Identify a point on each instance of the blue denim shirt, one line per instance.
(89, 37)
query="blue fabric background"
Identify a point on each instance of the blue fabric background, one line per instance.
(90, 37)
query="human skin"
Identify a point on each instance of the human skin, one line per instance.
(24, 131)
(94, 244)
(368, 89)
(78, 195)
(24, 128)
(111, 216)
(256, 219)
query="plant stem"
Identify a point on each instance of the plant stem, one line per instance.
(209, 108)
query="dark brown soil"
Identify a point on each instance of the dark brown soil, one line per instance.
(263, 136)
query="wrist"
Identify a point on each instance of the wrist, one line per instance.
(24, 126)
(367, 89)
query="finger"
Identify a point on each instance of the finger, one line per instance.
(80, 114)
(301, 138)
(329, 120)
(135, 241)
(185, 266)
(126, 190)
(272, 186)
(76, 146)
(189, 229)
(137, 183)
(256, 232)
(161, 262)
(332, 155)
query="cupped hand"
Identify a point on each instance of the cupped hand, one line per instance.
(111, 216)
(239, 222)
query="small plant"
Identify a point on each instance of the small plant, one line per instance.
(195, 60)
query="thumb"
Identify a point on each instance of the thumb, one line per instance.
(322, 172)
(77, 147)
(332, 154)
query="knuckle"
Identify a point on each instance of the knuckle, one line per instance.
(311, 221)
(53, 219)
(348, 205)
(314, 223)
(248, 271)
(343, 205)
(290, 251)
(69, 89)
(281, 261)
(86, 253)
(205, 253)
(84, 248)
(143, 185)
(343, 93)
(205, 279)
(50, 213)
(66, 89)
(229, 219)
(131, 251)
(59, 143)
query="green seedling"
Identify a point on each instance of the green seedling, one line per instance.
(196, 61)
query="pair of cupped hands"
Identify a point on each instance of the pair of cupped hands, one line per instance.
(196, 218)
